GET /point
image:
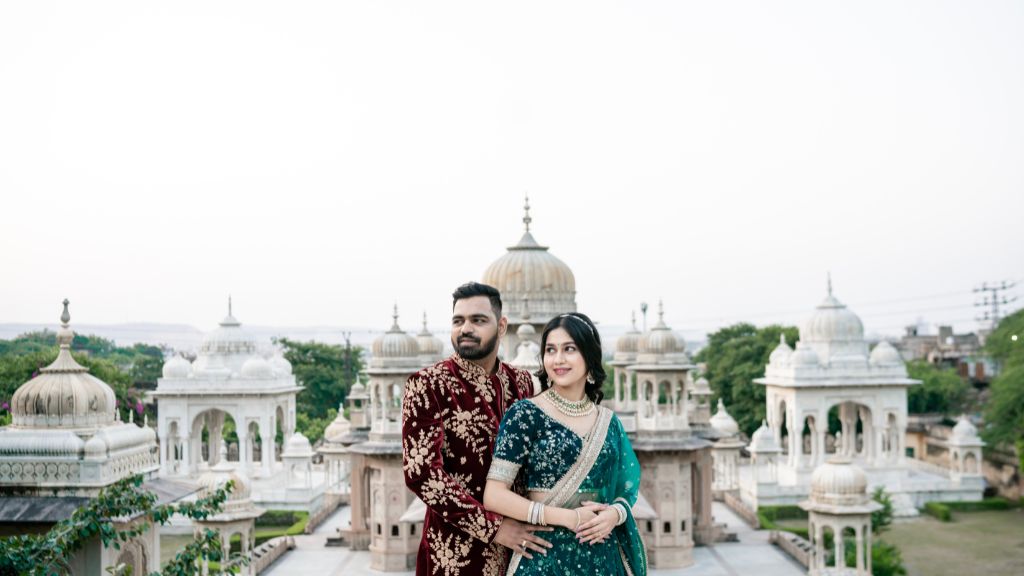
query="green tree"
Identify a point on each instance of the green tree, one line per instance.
(326, 371)
(1004, 413)
(942, 390)
(735, 356)
(313, 428)
(881, 518)
(16, 369)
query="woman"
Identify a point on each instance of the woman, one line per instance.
(580, 473)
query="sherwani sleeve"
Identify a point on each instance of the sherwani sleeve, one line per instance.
(422, 439)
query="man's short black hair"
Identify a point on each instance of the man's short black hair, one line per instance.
(471, 289)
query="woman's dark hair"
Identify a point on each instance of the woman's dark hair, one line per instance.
(583, 332)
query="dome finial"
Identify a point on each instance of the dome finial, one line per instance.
(229, 306)
(829, 275)
(782, 338)
(526, 213)
(661, 311)
(394, 317)
(65, 316)
(425, 321)
(632, 313)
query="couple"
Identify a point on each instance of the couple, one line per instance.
(550, 491)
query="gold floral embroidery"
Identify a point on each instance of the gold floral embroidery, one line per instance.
(448, 554)
(417, 452)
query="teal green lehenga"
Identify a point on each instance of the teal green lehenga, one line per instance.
(552, 459)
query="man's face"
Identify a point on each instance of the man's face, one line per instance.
(475, 329)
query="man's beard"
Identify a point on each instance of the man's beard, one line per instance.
(481, 350)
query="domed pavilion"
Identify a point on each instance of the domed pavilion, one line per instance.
(65, 444)
(832, 370)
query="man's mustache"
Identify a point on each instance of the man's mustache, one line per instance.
(469, 338)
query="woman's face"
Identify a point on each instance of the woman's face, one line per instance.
(563, 361)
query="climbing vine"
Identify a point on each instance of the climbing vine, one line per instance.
(50, 553)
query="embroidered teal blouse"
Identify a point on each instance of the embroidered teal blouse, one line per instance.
(541, 449)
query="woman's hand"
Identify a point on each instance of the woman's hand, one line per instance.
(598, 528)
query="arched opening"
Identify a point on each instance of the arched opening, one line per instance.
(970, 465)
(782, 426)
(279, 426)
(214, 437)
(851, 421)
(826, 547)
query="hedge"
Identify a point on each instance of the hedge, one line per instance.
(768, 515)
(938, 510)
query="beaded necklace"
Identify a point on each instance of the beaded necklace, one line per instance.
(572, 409)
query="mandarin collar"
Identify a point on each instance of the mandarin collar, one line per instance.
(472, 369)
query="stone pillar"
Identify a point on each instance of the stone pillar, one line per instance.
(243, 450)
(840, 556)
(163, 454)
(186, 456)
(859, 534)
(266, 446)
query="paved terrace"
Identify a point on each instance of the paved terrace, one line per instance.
(751, 555)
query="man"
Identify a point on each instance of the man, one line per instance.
(450, 417)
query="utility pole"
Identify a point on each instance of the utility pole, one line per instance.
(348, 355)
(993, 300)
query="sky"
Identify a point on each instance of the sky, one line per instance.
(321, 161)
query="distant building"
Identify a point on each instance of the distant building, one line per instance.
(962, 352)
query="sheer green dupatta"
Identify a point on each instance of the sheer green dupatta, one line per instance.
(623, 489)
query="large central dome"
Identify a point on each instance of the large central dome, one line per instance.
(529, 271)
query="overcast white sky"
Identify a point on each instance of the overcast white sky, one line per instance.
(321, 160)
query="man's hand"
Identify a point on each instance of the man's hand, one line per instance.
(520, 537)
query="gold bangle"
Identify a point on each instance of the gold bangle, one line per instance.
(578, 521)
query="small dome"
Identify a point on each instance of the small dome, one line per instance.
(804, 355)
(219, 475)
(338, 427)
(723, 422)
(885, 355)
(839, 482)
(281, 365)
(660, 339)
(177, 367)
(395, 343)
(629, 343)
(298, 446)
(64, 394)
(358, 390)
(257, 367)
(429, 345)
(964, 431)
(526, 332)
(832, 322)
(763, 441)
(782, 352)
(701, 387)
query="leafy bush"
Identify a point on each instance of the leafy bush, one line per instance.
(939, 511)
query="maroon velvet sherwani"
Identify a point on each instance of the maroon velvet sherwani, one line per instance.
(450, 417)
